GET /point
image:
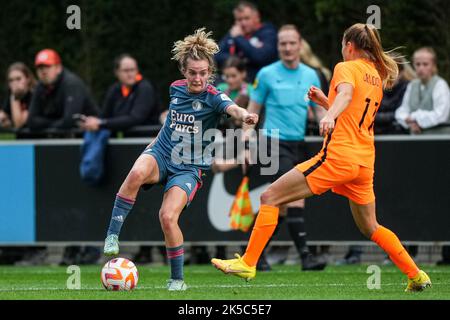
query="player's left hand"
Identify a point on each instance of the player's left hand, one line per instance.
(326, 125)
(251, 118)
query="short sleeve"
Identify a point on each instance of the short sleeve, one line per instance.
(260, 88)
(343, 73)
(221, 102)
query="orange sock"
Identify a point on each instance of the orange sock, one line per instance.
(265, 225)
(390, 243)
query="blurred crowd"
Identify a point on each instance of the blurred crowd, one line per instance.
(50, 96)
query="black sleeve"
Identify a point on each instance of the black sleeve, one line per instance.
(76, 100)
(143, 104)
(108, 102)
(35, 120)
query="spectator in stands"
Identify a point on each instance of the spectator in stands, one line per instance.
(131, 101)
(234, 73)
(21, 83)
(59, 95)
(426, 103)
(392, 99)
(249, 39)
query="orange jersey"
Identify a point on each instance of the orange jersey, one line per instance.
(352, 139)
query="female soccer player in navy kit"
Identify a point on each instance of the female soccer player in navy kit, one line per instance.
(195, 106)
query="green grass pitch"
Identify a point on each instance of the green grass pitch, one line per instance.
(205, 282)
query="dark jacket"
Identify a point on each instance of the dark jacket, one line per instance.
(392, 99)
(53, 106)
(259, 50)
(139, 107)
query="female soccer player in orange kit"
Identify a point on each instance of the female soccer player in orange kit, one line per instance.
(346, 162)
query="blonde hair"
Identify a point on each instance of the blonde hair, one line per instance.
(366, 37)
(307, 56)
(197, 46)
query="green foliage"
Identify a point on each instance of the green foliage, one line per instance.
(147, 29)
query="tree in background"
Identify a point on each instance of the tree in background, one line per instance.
(147, 30)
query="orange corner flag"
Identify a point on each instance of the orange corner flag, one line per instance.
(241, 213)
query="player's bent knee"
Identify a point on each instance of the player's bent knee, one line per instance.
(168, 219)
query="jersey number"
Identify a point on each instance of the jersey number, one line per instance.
(366, 109)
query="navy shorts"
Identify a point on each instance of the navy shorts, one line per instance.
(181, 175)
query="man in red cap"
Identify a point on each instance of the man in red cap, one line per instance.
(48, 66)
(59, 95)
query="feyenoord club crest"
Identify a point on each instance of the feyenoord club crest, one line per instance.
(197, 105)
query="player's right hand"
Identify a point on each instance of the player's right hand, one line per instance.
(251, 118)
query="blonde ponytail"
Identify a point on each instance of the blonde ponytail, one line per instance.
(384, 61)
(366, 38)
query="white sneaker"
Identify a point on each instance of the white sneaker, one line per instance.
(176, 285)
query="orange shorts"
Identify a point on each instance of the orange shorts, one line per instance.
(347, 179)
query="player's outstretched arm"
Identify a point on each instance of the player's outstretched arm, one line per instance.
(243, 115)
